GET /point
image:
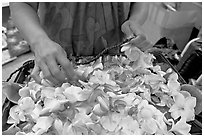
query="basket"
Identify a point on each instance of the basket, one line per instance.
(24, 72)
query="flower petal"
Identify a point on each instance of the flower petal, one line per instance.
(190, 103)
(176, 114)
(181, 127)
(43, 123)
(125, 47)
(179, 99)
(58, 125)
(108, 123)
(26, 104)
(150, 126)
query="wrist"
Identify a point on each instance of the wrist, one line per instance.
(38, 40)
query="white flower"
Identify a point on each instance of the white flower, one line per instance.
(74, 94)
(43, 124)
(36, 111)
(153, 80)
(101, 77)
(111, 121)
(173, 83)
(47, 92)
(26, 104)
(181, 127)
(129, 126)
(53, 105)
(58, 125)
(131, 99)
(150, 118)
(16, 115)
(183, 107)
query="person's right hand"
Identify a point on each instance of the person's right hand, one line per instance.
(48, 56)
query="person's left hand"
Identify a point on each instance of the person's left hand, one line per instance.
(131, 28)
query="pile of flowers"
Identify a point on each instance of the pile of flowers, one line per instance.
(123, 96)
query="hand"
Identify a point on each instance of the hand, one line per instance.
(48, 56)
(131, 28)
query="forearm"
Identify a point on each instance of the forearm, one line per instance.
(27, 21)
(139, 12)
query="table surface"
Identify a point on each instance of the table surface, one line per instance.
(10, 67)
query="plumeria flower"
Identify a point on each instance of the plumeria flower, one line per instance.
(98, 65)
(183, 107)
(47, 92)
(81, 117)
(150, 118)
(145, 61)
(173, 83)
(16, 115)
(158, 70)
(129, 126)
(95, 128)
(153, 80)
(141, 59)
(101, 77)
(181, 127)
(110, 122)
(58, 125)
(74, 94)
(35, 86)
(26, 104)
(133, 53)
(164, 88)
(42, 125)
(53, 105)
(85, 70)
(131, 99)
(36, 111)
(165, 100)
(149, 126)
(58, 94)
(77, 126)
(24, 92)
(28, 92)
(145, 92)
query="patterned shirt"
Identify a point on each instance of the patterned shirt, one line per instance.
(84, 28)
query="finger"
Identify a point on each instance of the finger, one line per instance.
(35, 74)
(126, 29)
(136, 29)
(138, 40)
(67, 67)
(47, 75)
(148, 46)
(142, 46)
(55, 70)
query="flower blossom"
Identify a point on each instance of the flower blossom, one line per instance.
(181, 127)
(101, 77)
(42, 125)
(26, 104)
(183, 106)
(16, 115)
(150, 118)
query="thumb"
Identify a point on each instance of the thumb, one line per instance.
(127, 29)
(36, 74)
(136, 29)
